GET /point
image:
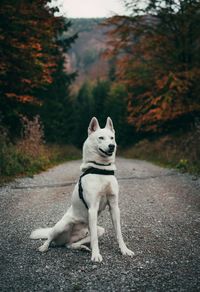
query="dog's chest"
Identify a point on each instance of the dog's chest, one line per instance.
(106, 191)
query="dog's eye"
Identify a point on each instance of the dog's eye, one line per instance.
(101, 138)
(111, 138)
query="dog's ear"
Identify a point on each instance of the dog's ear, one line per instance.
(93, 126)
(109, 124)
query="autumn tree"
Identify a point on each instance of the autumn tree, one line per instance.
(157, 58)
(31, 50)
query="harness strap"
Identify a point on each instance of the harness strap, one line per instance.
(91, 170)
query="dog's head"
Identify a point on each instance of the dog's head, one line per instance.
(102, 141)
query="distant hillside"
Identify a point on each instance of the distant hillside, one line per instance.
(85, 54)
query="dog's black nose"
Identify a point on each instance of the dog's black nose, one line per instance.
(111, 147)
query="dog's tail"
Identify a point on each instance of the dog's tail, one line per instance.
(40, 233)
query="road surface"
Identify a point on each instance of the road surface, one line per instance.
(160, 222)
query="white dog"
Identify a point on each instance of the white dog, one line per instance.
(96, 189)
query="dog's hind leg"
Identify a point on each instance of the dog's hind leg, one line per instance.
(54, 234)
(80, 244)
(61, 226)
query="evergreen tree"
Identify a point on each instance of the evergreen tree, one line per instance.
(116, 108)
(84, 111)
(57, 106)
(100, 94)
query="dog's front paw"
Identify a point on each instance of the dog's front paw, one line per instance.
(126, 251)
(96, 257)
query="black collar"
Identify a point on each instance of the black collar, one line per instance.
(100, 164)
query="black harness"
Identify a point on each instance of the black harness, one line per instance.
(91, 170)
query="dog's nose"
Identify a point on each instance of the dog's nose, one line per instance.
(111, 147)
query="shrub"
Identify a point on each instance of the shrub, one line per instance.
(31, 148)
(30, 154)
(32, 142)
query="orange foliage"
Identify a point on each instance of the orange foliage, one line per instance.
(28, 46)
(22, 98)
(163, 84)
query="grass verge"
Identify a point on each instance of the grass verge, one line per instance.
(175, 151)
(16, 163)
(30, 154)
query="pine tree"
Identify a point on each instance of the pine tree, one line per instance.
(100, 94)
(83, 111)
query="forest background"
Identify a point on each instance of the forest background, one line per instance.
(141, 69)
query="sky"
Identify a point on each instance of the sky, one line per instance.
(89, 8)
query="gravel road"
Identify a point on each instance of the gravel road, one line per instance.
(160, 223)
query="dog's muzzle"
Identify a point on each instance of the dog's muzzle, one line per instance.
(109, 152)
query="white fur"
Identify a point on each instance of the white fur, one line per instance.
(79, 225)
(40, 233)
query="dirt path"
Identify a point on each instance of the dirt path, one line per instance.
(160, 222)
